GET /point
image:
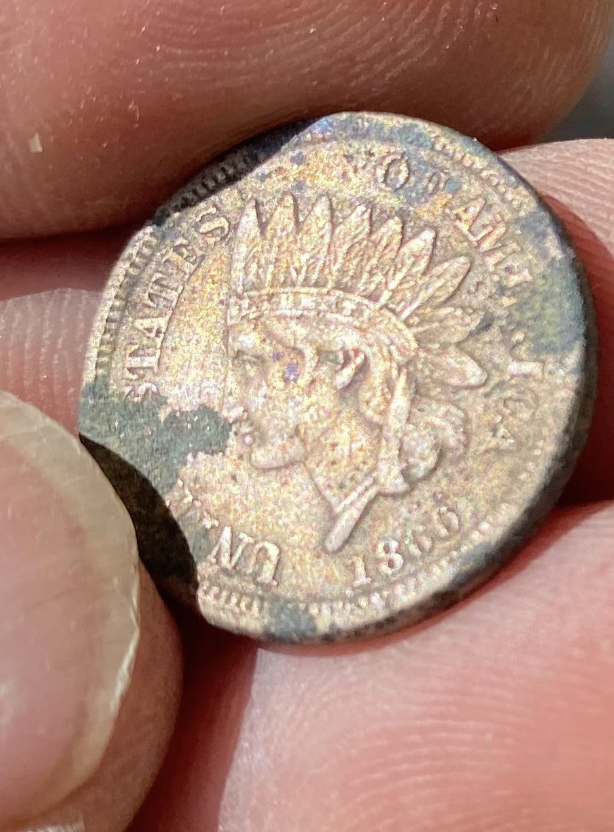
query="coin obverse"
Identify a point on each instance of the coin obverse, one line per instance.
(340, 377)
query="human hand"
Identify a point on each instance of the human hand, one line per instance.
(495, 716)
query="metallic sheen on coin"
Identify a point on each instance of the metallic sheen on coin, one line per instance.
(340, 377)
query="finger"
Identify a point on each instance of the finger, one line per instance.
(107, 106)
(217, 685)
(66, 566)
(69, 632)
(39, 352)
(577, 178)
(48, 298)
(495, 716)
(108, 801)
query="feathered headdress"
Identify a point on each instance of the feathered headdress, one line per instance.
(374, 280)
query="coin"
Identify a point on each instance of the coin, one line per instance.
(341, 377)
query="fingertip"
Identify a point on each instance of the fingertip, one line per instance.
(69, 596)
(109, 800)
(167, 85)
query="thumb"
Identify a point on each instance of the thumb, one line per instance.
(68, 612)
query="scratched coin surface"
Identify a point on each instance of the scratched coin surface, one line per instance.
(340, 377)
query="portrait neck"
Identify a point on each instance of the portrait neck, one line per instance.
(342, 456)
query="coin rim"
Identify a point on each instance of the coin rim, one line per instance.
(478, 565)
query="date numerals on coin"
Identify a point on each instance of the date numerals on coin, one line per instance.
(391, 556)
(238, 552)
(388, 561)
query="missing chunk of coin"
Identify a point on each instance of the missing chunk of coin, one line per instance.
(340, 377)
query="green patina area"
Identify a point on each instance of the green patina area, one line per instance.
(554, 311)
(142, 456)
(157, 448)
(289, 622)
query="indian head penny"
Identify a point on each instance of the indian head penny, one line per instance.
(340, 377)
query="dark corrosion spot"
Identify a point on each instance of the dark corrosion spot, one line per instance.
(289, 622)
(163, 546)
(142, 456)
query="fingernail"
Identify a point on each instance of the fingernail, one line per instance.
(68, 612)
(73, 824)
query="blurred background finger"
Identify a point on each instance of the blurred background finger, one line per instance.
(107, 106)
(49, 291)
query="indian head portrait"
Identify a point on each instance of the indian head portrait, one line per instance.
(346, 348)
(332, 327)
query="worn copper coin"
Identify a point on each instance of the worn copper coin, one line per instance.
(340, 377)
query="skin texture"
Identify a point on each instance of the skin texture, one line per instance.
(496, 717)
(106, 107)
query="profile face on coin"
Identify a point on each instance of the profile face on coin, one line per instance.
(340, 377)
